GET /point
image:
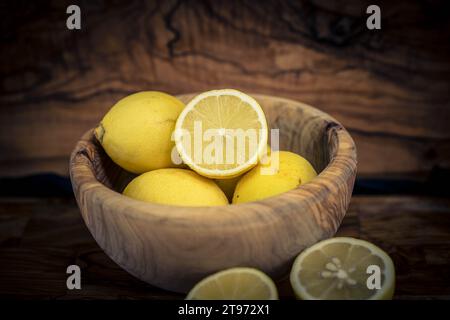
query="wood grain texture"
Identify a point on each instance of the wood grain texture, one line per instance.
(389, 88)
(41, 237)
(174, 247)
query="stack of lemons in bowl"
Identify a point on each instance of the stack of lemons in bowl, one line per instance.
(220, 136)
(214, 152)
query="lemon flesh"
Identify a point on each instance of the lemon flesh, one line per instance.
(337, 269)
(292, 171)
(235, 284)
(179, 187)
(136, 132)
(221, 133)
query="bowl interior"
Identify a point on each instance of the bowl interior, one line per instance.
(302, 129)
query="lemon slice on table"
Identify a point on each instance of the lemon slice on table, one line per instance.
(235, 284)
(221, 133)
(343, 268)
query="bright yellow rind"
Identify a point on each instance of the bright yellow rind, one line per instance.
(136, 132)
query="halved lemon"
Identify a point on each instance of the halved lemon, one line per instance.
(221, 133)
(235, 284)
(343, 268)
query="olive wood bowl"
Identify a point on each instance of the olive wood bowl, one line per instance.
(174, 247)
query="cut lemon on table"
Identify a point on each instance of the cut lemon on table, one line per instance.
(343, 268)
(235, 284)
(221, 133)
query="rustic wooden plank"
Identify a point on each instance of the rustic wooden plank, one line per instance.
(40, 237)
(390, 88)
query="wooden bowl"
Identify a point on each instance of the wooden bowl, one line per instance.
(174, 247)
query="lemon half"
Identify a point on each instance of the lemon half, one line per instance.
(231, 115)
(343, 268)
(235, 284)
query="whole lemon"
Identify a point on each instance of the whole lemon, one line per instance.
(293, 170)
(136, 131)
(179, 187)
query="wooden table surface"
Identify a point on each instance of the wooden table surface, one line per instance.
(40, 237)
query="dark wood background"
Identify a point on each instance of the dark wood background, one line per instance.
(389, 87)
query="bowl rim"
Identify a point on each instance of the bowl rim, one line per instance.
(343, 165)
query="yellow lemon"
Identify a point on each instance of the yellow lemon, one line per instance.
(173, 186)
(221, 133)
(267, 179)
(235, 284)
(343, 268)
(136, 132)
